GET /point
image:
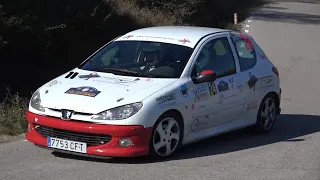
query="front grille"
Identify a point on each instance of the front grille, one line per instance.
(89, 138)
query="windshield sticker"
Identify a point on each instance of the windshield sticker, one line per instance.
(212, 88)
(201, 93)
(252, 81)
(88, 76)
(184, 90)
(166, 99)
(155, 37)
(223, 86)
(84, 91)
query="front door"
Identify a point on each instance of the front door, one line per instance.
(221, 101)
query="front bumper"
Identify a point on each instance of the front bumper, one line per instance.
(139, 135)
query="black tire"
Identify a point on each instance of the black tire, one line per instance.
(263, 125)
(154, 136)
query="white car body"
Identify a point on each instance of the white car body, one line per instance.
(203, 114)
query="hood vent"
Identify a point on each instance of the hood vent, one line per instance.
(72, 75)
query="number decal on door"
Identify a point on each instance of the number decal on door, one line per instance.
(212, 88)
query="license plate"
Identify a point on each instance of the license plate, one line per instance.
(63, 144)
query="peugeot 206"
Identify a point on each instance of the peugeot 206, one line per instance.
(153, 90)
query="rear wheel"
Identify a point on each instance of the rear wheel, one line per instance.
(266, 114)
(166, 136)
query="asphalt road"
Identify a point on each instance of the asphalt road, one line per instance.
(290, 35)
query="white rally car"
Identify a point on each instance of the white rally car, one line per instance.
(155, 89)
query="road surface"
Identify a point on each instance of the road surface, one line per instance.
(290, 34)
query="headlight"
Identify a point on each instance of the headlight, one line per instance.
(35, 101)
(119, 113)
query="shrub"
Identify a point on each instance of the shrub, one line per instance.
(12, 114)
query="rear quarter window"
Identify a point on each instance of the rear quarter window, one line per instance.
(245, 52)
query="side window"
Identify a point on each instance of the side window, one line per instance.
(216, 55)
(245, 51)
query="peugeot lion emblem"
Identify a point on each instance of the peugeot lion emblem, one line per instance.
(66, 114)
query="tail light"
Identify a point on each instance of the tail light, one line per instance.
(275, 70)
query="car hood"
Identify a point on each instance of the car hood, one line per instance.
(94, 92)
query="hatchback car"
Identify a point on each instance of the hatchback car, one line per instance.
(152, 90)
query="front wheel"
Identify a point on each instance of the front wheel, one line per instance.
(166, 136)
(266, 114)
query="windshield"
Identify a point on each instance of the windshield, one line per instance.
(140, 59)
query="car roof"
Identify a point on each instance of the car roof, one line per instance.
(181, 35)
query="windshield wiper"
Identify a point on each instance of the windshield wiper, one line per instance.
(125, 71)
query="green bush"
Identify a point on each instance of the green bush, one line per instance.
(12, 115)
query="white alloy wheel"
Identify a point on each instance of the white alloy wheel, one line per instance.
(267, 114)
(166, 137)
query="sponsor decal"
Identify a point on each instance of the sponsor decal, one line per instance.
(212, 88)
(52, 83)
(120, 99)
(220, 99)
(243, 37)
(88, 76)
(128, 36)
(184, 90)
(251, 105)
(252, 81)
(223, 86)
(84, 91)
(231, 82)
(199, 122)
(115, 80)
(269, 81)
(249, 44)
(201, 93)
(166, 98)
(195, 124)
(261, 56)
(183, 41)
(266, 86)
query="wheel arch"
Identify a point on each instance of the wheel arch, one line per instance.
(181, 122)
(177, 112)
(277, 98)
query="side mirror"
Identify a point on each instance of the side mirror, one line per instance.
(205, 76)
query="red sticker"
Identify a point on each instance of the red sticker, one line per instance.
(249, 44)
